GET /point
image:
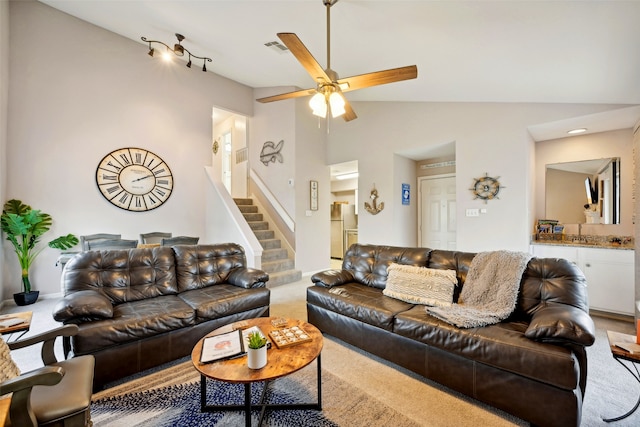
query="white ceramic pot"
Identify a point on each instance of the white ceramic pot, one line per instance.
(257, 357)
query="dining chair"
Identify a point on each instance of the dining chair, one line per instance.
(101, 236)
(106, 244)
(153, 238)
(179, 240)
(56, 394)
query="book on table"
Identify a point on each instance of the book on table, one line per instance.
(222, 347)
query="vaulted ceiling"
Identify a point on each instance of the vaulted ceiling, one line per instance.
(466, 51)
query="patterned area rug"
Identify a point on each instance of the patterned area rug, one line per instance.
(171, 397)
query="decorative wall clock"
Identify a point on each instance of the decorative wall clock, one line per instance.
(134, 179)
(486, 188)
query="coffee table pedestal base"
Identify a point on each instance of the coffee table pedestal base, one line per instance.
(262, 405)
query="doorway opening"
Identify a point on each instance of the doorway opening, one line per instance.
(344, 209)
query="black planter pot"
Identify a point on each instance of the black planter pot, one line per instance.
(26, 298)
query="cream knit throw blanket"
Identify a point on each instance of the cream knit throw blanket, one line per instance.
(490, 292)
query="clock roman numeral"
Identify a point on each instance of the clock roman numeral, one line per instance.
(158, 172)
(163, 182)
(109, 177)
(117, 168)
(123, 199)
(138, 158)
(113, 189)
(138, 202)
(125, 159)
(159, 192)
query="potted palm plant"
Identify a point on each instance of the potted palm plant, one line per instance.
(24, 227)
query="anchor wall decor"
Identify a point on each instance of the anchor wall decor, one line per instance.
(374, 208)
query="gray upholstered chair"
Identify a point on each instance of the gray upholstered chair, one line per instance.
(106, 244)
(179, 240)
(153, 238)
(57, 394)
(84, 240)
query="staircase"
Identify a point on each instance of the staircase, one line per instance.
(275, 259)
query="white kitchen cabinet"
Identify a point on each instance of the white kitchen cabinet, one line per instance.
(609, 272)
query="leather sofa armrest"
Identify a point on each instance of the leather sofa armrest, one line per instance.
(83, 306)
(562, 324)
(248, 278)
(331, 278)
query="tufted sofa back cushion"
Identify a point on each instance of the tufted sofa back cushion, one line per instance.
(552, 281)
(199, 266)
(368, 263)
(122, 275)
(452, 260)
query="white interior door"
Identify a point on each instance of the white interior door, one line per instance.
(437, 214)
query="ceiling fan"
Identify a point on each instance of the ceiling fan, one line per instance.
(328, 93)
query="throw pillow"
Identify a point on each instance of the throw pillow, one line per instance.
(8, 368)
(421, 285)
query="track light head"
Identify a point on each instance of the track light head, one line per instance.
(204, 66)
(178, 50)
(189, 63)
(151, 51)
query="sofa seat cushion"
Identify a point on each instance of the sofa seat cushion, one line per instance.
(503, 346)
(359, 302)
(224, 300)
(134, 321)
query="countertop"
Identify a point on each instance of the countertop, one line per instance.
(597, 245)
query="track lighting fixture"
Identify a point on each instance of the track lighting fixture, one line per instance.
(178, 50)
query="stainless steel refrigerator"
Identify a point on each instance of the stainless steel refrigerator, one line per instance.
(343, 219)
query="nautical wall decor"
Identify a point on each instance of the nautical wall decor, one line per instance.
(486, 187)
(271, 152)
(374, 208)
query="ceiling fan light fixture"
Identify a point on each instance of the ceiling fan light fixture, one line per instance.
(318, 104)
(337, 103)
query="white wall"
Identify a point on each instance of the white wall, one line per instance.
(313, 233)
(67, 111)
(490, 138)
(4, 96)
(617, 143)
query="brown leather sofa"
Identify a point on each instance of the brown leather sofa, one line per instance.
(532, 365)
(140, 308)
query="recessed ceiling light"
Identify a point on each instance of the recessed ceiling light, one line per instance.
(575, 131)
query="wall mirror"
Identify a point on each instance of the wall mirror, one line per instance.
(572, 185)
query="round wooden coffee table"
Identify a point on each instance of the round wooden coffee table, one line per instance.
(280, 362)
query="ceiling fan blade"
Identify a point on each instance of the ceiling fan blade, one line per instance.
(302, 54)
(378, 78)
(287, 95)
(349, 114)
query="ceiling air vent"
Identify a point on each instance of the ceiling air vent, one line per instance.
(277, 46)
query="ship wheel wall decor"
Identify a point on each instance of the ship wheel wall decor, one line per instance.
(486, 187)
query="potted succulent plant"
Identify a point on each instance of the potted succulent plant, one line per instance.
(257, 352)
(24, 227)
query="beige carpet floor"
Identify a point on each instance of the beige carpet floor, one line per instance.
(610, 391)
